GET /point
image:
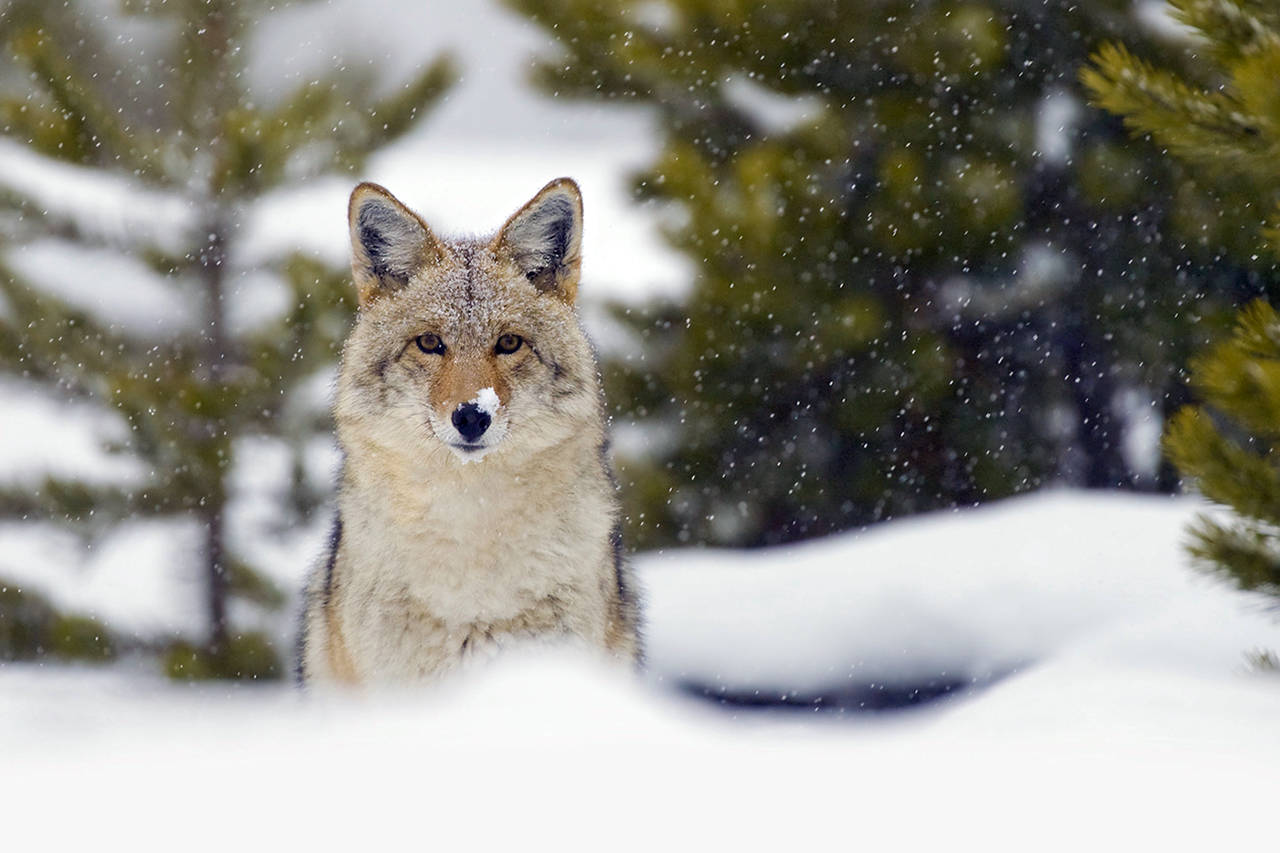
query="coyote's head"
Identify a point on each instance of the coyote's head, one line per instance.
(466, 347)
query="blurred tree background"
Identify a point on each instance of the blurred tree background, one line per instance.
(928, 274)
(1223, 115)
(153, 93)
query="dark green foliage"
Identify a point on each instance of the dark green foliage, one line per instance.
(1227, 128)
(84, 638)
(1235, 461)
(906, 297)
(244, 657)
(1223, 115)
(170, 117)
(25, 620)
(31, 628)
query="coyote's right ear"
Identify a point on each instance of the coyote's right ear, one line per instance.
(544, 238)
(389, 243)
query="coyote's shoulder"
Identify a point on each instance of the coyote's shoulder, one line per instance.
(476, 505)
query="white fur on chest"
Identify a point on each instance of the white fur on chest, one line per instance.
(473, 551)
(439, 568)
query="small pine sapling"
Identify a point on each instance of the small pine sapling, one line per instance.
(1222, 116)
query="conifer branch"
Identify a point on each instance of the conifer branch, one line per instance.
(1211, 128)
(1244, 554)
(80, 127)
(1234, 28)
(1222, 470)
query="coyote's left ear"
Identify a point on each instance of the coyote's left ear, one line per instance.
(544, 238)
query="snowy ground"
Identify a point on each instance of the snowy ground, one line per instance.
(552, 754)
(1124, 713)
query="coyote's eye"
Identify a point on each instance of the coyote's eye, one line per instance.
(430, 344)
(508, 344)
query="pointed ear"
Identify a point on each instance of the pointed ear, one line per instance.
(389, 243)
(544, 238)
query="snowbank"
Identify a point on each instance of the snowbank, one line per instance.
(952, 598)
(1127, 715)
(552, 752)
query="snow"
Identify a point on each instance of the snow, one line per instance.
(140, 576)
(487, 400)
(1056, 123)
(137, 578)
(1104, 690)
(956, 598)
(264, 534)
(555, 751)
(50, 438)
(109, 207)
(772, 112)
(117, 289)
(1161, 18)
(1126, 711)
(966, 596)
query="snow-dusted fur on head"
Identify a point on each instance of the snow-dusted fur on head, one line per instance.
(497, 313)
(467, 350)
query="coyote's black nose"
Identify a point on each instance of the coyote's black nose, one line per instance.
(470, 421)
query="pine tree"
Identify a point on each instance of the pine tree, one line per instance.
(911, 291)
(172, 118)
(1224, 118)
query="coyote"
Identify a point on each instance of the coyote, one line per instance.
(476, 505)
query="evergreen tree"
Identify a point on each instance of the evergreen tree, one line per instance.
(913, 291)
(1223, 117)
(156, 94)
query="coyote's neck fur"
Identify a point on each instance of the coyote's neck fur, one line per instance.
(476, 505)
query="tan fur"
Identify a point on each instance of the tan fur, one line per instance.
(338, 658)
(459, 378)
(440, 558)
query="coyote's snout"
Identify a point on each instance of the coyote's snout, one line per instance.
(468, 411)
(467, 351)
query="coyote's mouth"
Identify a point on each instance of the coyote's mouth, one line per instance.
(469, 452)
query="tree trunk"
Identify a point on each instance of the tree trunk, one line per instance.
(215, 356)
(216, 581)
(215, 98)
(1093, 391)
